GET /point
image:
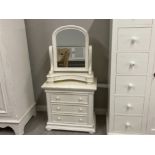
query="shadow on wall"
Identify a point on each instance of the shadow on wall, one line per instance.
(39, 34)
(99, 39)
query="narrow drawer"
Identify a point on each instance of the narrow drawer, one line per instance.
(134, 22)
(132, 63)
(128, 124)
(129, 105)
(134, 39)
(69, 98)
(69, 109)
(130, 85)
(69, 119)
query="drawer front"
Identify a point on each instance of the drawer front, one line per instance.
(69, 109)
(128, 22)
(130, 85)
(129, 105)
(69, 98)
(128, 124)
(132, 63)
(134, 39)
(69, 119)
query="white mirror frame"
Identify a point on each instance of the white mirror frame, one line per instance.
(54, 43)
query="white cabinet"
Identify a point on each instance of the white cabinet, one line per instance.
(70, 106)
(17, 104)
(131, 109)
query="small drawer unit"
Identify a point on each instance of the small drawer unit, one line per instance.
(72, 108)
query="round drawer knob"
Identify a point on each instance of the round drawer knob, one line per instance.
(59, 118)
(58, 108)
(130, 85)
(134, 39)
(129, 106)
(80, 119)
(57, 98)
(80, 98)
(132, 64)
(80, 109)
(127, 124)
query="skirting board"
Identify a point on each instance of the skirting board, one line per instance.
(98, 111)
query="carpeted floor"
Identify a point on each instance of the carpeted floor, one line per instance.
(36, 126)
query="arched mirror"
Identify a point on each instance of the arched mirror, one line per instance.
(70, 46)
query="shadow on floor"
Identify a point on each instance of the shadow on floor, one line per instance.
(36, 126)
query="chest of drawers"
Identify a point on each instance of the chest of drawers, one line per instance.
(70, 106)
(131, 63)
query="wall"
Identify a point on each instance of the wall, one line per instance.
(39, 32)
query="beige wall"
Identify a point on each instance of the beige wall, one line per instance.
(39, 34)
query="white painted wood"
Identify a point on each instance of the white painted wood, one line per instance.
(132, 63)
(128, 124)
(132, 56)
(83, 74)
(16, 90)
(68, 109)
(129, 105)
(70, 105)
(130, 85)
(134, 39)
(135, 22)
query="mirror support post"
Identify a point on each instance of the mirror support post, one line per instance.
(51, 58)
(90, 59)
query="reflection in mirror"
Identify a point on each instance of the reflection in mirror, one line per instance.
(70, 57)
(70, 48)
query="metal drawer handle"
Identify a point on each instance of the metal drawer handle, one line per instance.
(127, 124)
(58, 118)
(58, 108)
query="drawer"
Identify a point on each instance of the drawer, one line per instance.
(128, 124)
(69, 98)
(134, 39)
(140, 22)
(129, 105)
(132, 63)
(69, 109)
(69, 119)
(130, 85)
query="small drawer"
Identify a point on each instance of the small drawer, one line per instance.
(129, 105)
(69, 109)
(132, 63)
(130, 85)
(134, 39)
(69, 98)
(69, 119)
(128, 124)
(134, 22)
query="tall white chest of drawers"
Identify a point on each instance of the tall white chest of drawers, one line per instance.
(131, 74)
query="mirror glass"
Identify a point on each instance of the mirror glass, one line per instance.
(70, 48)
